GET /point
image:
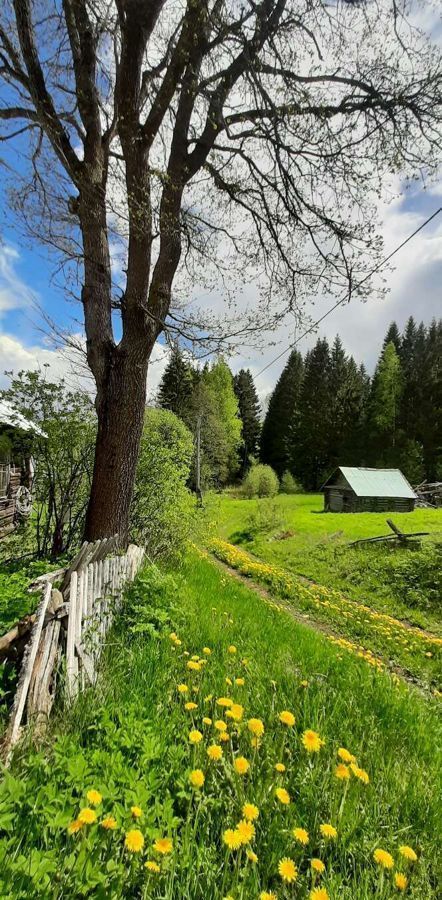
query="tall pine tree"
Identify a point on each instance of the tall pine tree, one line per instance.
(176, 384)
(385, 400)
(249, 411)
(279, 431)
(314, 429)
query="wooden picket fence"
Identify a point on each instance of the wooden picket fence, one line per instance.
(73, 622)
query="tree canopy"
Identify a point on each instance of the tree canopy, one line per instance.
(156, 140)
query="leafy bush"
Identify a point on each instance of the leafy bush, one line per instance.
(289, 485)
(162, 508)
(260, 481)
(63, 458)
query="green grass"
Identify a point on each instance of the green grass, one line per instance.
(293, 532)
(129, 739)
(15, 601)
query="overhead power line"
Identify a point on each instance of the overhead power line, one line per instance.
(346, 295)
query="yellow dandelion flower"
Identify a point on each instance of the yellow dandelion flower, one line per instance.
(280, 767)
(163, 845)
(75, 826)
(287, 718)
(401, 881)
(241, 765)
(250, 812)
(246, 831)
(207, 720)
(190, 705)
(196, 778)
(193, 665)
(304, 683)
(255, 743)
(408, 853)
(94, 797)
(256, 727)
(328, 831)
(208, 699)
(360, 773)
(251, 856)
(235, 712)
(224, 701)
(232, 648)
(109, 823)
(195, 736)
(317, 865)
(301, 835)
(182, 688)
(287, 870)
(220, 725)
(224, 736)
(312, 742)
(383, 858)
(134, 841)
(240, 682)
(228, 681)
(319, 894)
(282, 795)
(173, 636)
(207, 651)
(346, 756)
(214, 752)
(87, 816)
(136, 811)
(178, 643)
(195, 657)
(152, 866)
(342, 772)
(232, 839)
(186, 653)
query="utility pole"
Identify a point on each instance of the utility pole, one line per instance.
(198, 461)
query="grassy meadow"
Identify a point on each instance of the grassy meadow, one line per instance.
(293, 531)
(178, 777)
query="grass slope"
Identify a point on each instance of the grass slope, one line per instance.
(404, 583)
(129, 739)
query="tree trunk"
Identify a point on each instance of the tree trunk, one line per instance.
(120, 408)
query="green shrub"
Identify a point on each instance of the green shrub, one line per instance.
(289, 485)
(260, 481)
(162, 507)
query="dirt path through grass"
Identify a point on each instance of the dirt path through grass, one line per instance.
(337, 636)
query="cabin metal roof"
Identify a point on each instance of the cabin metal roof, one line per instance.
(9, 415)
(375, 482)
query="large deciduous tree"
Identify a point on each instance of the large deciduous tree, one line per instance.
(149, 135)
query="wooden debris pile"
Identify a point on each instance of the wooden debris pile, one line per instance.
(400, 537)
(429, 494)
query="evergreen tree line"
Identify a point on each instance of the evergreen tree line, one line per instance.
(324, 411)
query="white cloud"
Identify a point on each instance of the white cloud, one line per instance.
(14, 293)
(67, 363)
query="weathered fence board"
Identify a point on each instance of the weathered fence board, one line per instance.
(72, 622)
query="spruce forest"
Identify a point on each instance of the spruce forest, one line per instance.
(325, 410)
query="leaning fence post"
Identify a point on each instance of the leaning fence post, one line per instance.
(70, 641)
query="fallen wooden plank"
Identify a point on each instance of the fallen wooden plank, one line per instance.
(18, 708)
